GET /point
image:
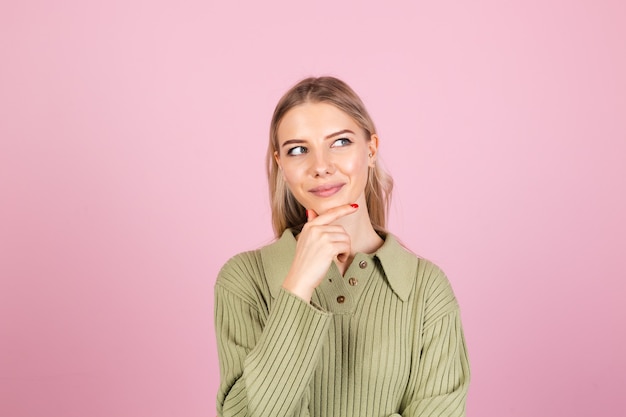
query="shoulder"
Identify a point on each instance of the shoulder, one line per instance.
(431, 277)
(240, 272)
(417, 278)
(434, 288)
(241, 263)
(408, 273)
(259, 273)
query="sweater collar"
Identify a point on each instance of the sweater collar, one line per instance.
(398, 264)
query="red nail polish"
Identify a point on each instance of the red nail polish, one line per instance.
(354, 205)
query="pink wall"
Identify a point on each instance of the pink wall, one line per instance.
(132, 137)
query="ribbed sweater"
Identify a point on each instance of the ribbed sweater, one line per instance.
(384, 339)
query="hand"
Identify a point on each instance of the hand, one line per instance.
(319, 243)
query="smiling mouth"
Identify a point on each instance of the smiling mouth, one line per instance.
(326, 190)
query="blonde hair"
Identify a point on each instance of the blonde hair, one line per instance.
(287, 212)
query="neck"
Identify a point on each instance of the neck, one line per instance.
(363, 237)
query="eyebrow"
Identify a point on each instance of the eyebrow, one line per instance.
(332, 135)
(341, 132)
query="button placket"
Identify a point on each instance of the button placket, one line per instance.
(343, 291)
(356, 277)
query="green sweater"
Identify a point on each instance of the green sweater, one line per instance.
(383, 340)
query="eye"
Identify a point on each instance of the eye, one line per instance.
(296, 150)
(341, 142)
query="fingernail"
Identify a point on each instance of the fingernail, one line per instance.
(307, 214)
(354, 205)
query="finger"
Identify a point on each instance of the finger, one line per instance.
(310, 214)
(338, 236)
(342, 247)
(344, 254)
(320, 229)
(342, 257)
(335, 213)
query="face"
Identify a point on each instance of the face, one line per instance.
(324, 156)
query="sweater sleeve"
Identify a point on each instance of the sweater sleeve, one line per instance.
(265, 368)
(441, 373)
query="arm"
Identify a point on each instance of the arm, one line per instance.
(440, 370)
(442, 374)
(266, 370)
(266, 367)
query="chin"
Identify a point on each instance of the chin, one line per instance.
(321, 208)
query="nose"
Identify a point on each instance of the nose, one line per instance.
(321, 164)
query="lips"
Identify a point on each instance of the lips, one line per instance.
(326, 190)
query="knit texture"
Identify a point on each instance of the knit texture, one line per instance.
(383, 340)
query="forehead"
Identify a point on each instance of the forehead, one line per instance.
(314, 119)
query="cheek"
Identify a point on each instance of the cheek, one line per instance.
(291, 177)
(358, 168)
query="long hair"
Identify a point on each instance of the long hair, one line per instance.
(287, 212)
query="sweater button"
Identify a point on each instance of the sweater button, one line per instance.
(341, 299)
(353, 281)
(363, 264)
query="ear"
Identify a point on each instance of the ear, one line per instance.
(372, 146)
(277, 159)
(280, 167)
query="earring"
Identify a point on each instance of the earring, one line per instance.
(370, 155)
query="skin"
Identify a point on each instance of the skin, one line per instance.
(324, 157)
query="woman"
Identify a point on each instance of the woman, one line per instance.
(336, 318)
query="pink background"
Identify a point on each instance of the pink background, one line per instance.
(132, 139)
